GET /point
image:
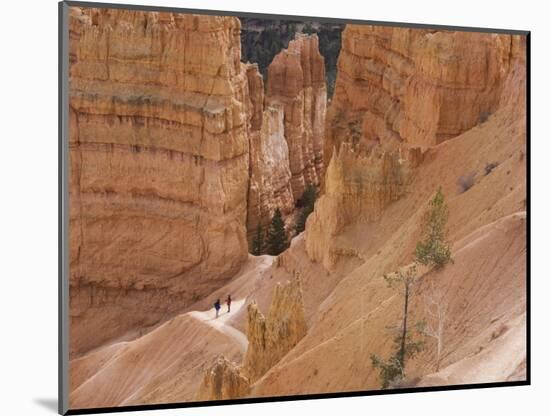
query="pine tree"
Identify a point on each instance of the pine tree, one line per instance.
(308, 202)
(405, 347)
(434, 249)
(258, 242)
(276, 236)
(308, 29)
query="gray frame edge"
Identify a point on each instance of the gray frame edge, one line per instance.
(168, 9)
(63, 209)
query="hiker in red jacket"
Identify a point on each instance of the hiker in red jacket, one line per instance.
(228, 301)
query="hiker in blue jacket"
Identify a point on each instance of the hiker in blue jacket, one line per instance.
(217, 306)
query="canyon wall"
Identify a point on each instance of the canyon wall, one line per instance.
(417, 86)
(358, 187)
(287, 138)
(159, 161)
(296, 79)
(270, 175)
(398, 92)
(176, 156)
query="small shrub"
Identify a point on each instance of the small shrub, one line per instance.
(489, 167)
(465, 182)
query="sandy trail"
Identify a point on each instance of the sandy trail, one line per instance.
(220, 323)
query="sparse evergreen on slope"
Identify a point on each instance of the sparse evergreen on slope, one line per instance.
(277, 241)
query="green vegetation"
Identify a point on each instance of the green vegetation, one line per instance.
(405, 347)
(307, 202)
(434, 249)
(258, 241)
(276, 237)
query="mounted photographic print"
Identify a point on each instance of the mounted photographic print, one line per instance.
(261, 208)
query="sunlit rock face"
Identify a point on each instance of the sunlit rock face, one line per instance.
(287, 131)
(398, 92)
(417, 86)
(159, 159)
(358, 187)
(296, 79)
(271, 338)
(269, 186)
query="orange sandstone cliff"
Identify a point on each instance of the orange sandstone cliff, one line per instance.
(159, 166)
(175, 153)
(415, 86)
(296, 79)
(287, 140)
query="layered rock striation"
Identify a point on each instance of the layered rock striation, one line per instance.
(398, 92)
(287, 130)
(415, 86)
(270, 176)
(358, 187)
(159, 159)
(176, 153)
(296, 79)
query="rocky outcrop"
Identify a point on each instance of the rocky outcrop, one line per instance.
(398, 92)
(358, 187)
(175, 154)
(287, 131)
(159, 159)
(416, 86)
(271, 338)
(223, 381)
(296, 80)
(269, 186)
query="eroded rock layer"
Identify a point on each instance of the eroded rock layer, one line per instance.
(269, 339)
(159, 164)
(296, 79)
(358, 188)
(223, 381)
(269, 186)
(287, 131)
(417, 86)
(399, 92)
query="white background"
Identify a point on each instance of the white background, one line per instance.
(28, 216)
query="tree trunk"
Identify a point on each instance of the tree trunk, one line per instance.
(404, 333)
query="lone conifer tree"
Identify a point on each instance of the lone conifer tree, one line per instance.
(276, 236)
(393, 369)
(258, 242)
(434, 249)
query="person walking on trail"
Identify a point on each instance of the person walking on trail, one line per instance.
(228, 301)
(217, 306)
